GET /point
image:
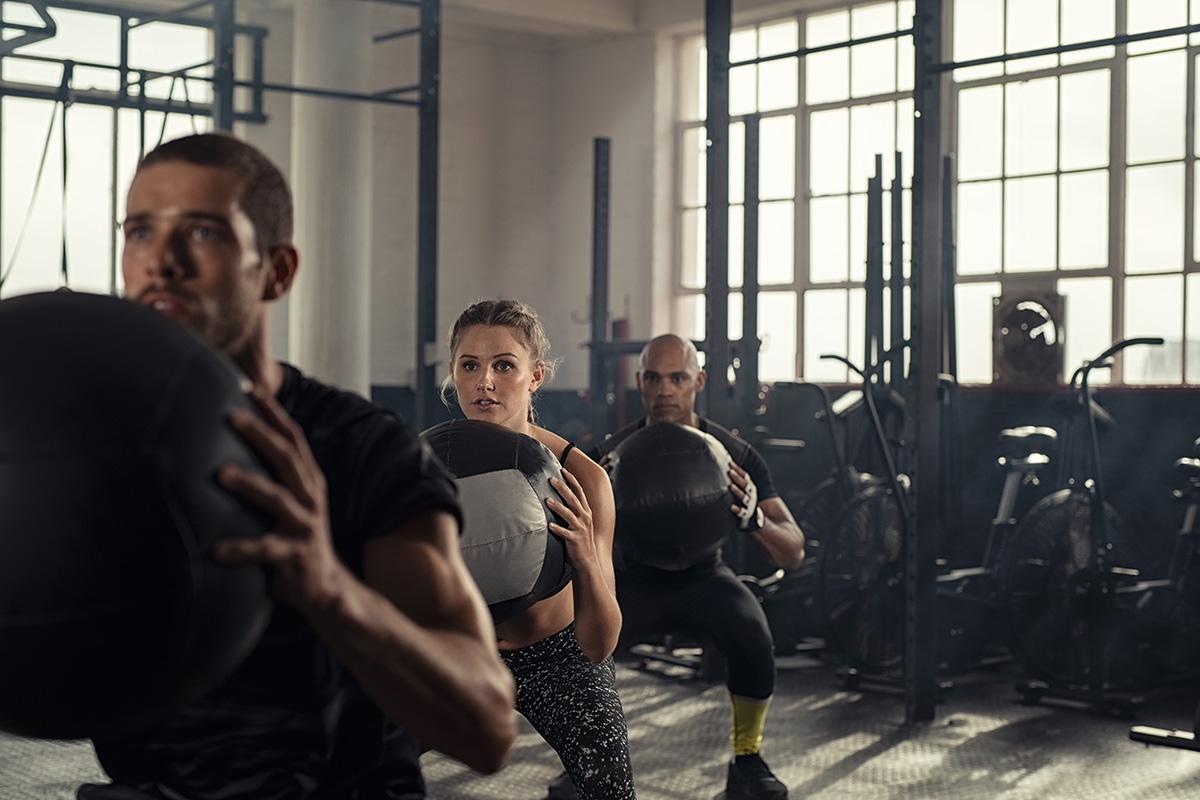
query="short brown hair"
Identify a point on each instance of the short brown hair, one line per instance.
(265, 196)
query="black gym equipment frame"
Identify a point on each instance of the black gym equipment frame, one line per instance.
(226, 32)
(933, 319)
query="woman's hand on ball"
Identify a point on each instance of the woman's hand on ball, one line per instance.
(578, 533)
(299, 547)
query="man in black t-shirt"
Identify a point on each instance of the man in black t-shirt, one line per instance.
(378, 615)
(707, 599)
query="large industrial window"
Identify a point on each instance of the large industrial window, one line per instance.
(1075, 173)
(40, 213)
(823, 121)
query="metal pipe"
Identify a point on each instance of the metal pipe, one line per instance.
(258, 71)
(923, 533)
(823, 48)
(1125, 38)
(398, 34)
(108, 100)
(17, 26)
(949, 266)
(149, 76)
(896, 279)
(124, 11)
(873, 316)
(332, 94)
(718, 23)
(168, 16)
(748, 374)
(427, 209)
(223, 66)
(146, 76)
(60, 61)
(412, 87)
(597, 361)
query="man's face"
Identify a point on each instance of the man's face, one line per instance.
(669, 382)
(191, 251)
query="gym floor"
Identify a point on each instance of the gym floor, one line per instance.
(822, 741)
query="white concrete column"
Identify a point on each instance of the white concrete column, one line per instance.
(329, 313)
(275, 138)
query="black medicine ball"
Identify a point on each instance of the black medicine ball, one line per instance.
(113, 422)
(503, 482)
(671, 485)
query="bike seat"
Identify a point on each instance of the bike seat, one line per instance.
(1027, 440)
(1029, 464)
(1188, 468)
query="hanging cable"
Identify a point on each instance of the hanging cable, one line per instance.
(162, 132)
(68, 75)
(37, 185)
(187, 103)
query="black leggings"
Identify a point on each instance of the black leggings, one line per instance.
(712, 605)
(574, 705)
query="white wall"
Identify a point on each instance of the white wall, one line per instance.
(518, 119)
(518, 116)
(494, 203)
(274, 138)
(609, 89)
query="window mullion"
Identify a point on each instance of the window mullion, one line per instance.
(1116, 192)
(800, 212)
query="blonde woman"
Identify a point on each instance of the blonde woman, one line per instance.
(560, 649)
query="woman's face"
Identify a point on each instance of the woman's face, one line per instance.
(495, 376)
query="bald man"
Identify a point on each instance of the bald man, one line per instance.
(707, 600)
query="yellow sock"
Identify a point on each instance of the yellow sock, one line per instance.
(749, 719)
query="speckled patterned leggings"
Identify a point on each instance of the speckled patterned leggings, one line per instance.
(574, 705)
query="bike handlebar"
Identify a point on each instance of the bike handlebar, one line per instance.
(843, 360)
(1104, 360)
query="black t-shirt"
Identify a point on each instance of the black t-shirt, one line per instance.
(742, 453)
(291, 722)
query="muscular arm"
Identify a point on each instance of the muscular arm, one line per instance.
(418, 638)
(416, 634)
(780, 535)
(597, 615)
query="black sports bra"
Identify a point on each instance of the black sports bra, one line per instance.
(562, 460)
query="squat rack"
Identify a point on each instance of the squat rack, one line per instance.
(932, 283)
(226, 32)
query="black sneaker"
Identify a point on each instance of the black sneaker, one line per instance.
(751, 779)
(562, 788)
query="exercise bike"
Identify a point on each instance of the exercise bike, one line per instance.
(1181, 606)
(861, 577)
(1069, 575)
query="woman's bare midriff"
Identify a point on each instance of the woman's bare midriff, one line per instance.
(542, 619)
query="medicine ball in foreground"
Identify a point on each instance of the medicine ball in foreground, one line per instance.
(671, 485)
(113, 422)
(503, 482)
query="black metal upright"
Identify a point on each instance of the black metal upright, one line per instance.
(928, 294)
(874, 338)
(949, 265)
(718, 21)
(896, 278)
(597, 359)
(427, 211)
(748, 373)
(224, 79)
